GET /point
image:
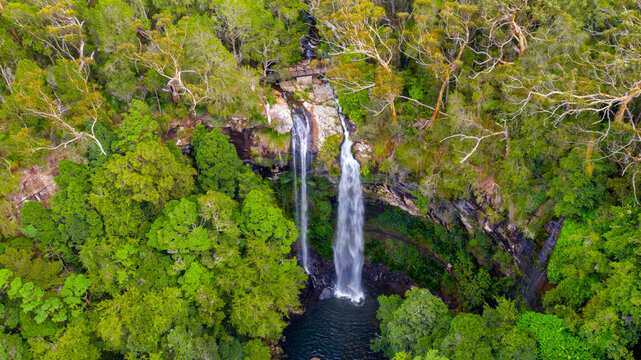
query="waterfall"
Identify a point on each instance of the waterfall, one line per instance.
(348, 244)
(300, 145)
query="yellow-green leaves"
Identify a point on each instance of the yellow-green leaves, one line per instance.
(178, 230)
(195, 66)
(150, 173)
(49, 305)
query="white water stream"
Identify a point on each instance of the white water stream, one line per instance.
(300, 150)
(348, 243)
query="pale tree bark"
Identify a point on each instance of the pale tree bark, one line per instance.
(58, 28)
(356, 27)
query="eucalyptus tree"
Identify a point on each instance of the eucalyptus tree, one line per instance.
(197, 69)
(590, 78)
(65, 107)
(54, 29)
(361, 30)
(114, 23)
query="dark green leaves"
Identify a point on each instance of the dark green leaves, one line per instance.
(217, 161)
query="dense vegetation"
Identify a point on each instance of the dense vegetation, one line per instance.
(133, 258)
(528, 109)
(143, 253)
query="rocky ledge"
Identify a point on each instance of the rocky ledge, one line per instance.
(376, 280)
(317, 99)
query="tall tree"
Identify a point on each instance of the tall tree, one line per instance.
(197, 68)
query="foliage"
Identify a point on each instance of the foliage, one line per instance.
(553, 340)
(262, 221)
(575, 188)
(594, 269)
(321, 215)
(218, 165)
(149, 174)
(423, 250)
(492, 335)
(128, 261)
(352, 106)
(522, 110)
(415, 324)
(37, 222)
(71, 209)
(329, 154)
(178, 230)
(137, 126)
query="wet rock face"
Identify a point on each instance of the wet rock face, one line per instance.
(279, 116)
(242, 141)
(376, 280)
(325, 294)
(396, 197)
(319, 101)
(326, 123)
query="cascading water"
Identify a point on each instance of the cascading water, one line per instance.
(300, 145)
(300, 151)
(348, 244)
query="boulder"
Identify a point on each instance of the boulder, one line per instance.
(325, 294)
(362, 151)
(279, 116)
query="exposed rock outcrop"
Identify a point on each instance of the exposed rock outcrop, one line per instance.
(319, 101)
(279, 115)
(395, 197)
(362, 151)
(377, 280)
(530, 259)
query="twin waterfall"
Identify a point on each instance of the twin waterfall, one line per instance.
(300, 145)
(348, 242)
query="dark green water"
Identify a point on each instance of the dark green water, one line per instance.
(334, 329)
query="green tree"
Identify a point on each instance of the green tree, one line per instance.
(178, 230)
(137, 322)
(196, 69)
(255, 350)
(115, 263)
(468, 337)
(12, 347)
(260, 221)
(248, 181)
(150, 174)
(76, 217)
(220, 211)
(553, 339)
(114, 23)
(75, 342)
(63, 108)
(593, 268)
(575, 188)
(138, 125)
(253, 270)
(416, 325)
(218, 164)
(38, 223)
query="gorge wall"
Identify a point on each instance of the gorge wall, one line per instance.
(529, 255)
